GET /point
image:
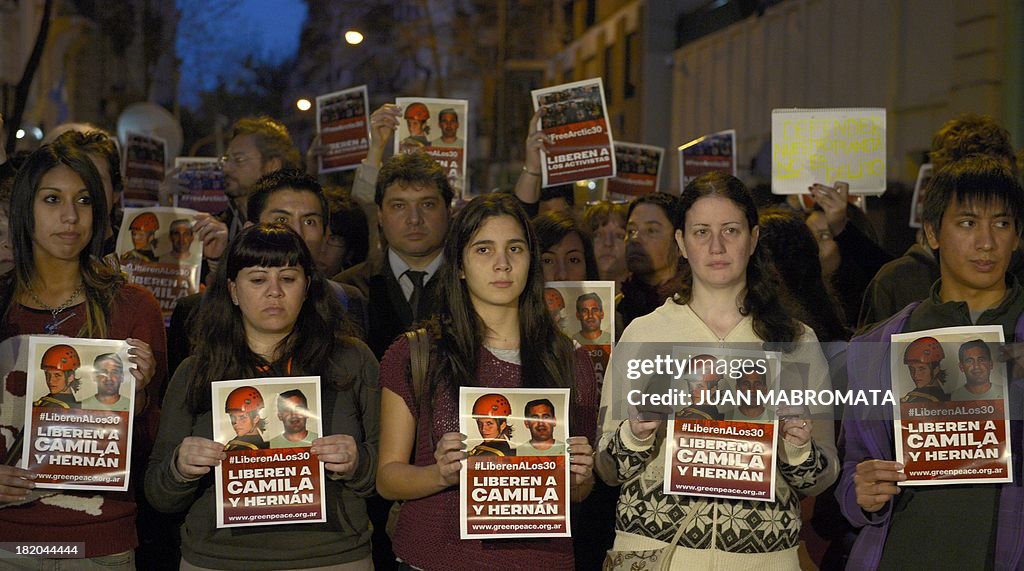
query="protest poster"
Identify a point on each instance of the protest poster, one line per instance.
(159, 252)
(951, 421)
(73, 441)
(343, 123)
(924, 176)
(201, 184)
(585, 311)
(723, 435)
(145, 160)
(447, 145)
(711, 153)
(512, 485)
(827, 145)
(271, 481)
(575, 116)
(637, 170)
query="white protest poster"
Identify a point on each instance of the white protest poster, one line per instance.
(267, 427)
(575, 116)
(436, 127)
(79, 412)
(585, 312)
(827, 145)
(515, 483)
(343, 122)
(951, 423)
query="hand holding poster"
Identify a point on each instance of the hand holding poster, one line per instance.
(593, 305)
(72, 441)
(159, 252)
(637, 169)
(711, 153)
(343, 123)
(828, 145)
(951, 429)
(201, 184)
(275, 481)
(574, 115)
(145, 159)
(722, 443)
(448, 147)
(512, 486)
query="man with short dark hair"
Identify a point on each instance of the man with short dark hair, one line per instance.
(539, 419)
(412, 197)
(976, 364)
(293, 411)
(108, 372)
(973, 214)
(181, 235)
(448, 120)
(590, 312)
(652, 255)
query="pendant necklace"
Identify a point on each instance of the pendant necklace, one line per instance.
(51, 327)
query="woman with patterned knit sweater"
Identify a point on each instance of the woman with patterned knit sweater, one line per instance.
(731, 297)
(492, 330)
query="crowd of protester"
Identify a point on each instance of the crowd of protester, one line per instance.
(350, 270)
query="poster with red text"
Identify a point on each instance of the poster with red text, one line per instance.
(437, 127)
(269, 476)
(145, 160)
(637, 170)
(585, 312)
(515, 483)
(201, 184)
(78, 413)
(343, 122)
(951, 422)
(711, 153)
(159, 252)
(722, 442)
(575, 116)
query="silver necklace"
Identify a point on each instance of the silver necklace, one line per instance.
(52, 326)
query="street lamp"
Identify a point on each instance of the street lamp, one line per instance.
(353, 37)
(303, 104)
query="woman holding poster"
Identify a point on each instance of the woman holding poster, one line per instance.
(269, 313)
(59, 219)
(731, 296)
(492, 330)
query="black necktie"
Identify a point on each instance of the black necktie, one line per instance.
(417, 288)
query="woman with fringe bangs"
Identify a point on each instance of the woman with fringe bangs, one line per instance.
(492, 330)
(732, 299)
(269, 313)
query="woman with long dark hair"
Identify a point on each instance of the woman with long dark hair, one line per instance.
(269, 313)
(492, 330)
(59, 286)
(732, 296)
(566, 250)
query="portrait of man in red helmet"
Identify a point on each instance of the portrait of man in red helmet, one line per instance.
(60, 365)
(491, 412)
(244, 406)
(143, 232)
(416, 116)
(923, 358)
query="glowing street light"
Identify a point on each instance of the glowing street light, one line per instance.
(353, 37)
(303, 104)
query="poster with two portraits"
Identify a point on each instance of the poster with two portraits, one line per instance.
(438, 128)
(585, 312)
(158, 251)
(951, 418)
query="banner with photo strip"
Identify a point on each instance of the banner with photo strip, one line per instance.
(201, 184)
(79, 412)
(722, 442)
(637, 170)
(437, 127)
(825, 145)
(158, 251)
(515, 482)
(715, 152)
(145, 163)
(271, 481)
(924, 176)
(951, 421)
(585, 312)
(343, 123)
(575, 116)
